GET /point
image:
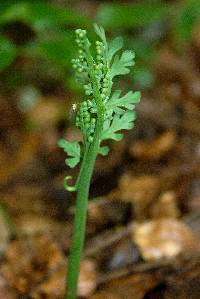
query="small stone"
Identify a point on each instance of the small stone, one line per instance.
(164, 238)
(124, 254)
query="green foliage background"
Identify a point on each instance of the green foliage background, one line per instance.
(41, 34)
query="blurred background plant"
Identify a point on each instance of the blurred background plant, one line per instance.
(36, 37)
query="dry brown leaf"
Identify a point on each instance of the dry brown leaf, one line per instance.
(53, 287)
(141, 191)
(154, 149)
(46, 112)
(134, 286)
(28, 261)
(165, 206)
(12, 165)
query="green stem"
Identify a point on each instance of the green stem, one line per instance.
(79, 226)
(86, 171)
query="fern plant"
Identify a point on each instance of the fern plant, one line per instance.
(102, 115)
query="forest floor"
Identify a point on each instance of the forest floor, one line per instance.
(143, 231)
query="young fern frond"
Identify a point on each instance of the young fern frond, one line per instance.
(105, 66)
(102, 115)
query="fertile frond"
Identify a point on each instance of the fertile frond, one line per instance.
(101, 115)
(98, 73)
